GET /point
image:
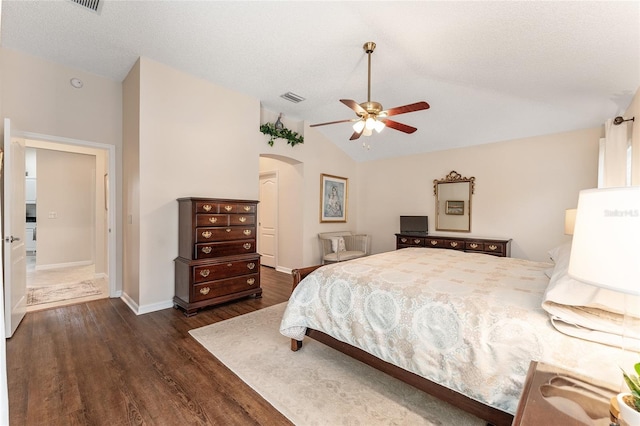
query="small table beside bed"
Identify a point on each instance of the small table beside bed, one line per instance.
(463, 327)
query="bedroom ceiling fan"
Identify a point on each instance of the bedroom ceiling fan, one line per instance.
(370, 114)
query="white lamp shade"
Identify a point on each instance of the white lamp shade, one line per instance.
(358, 126)
(605, 251)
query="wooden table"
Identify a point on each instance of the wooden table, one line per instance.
(554, 396)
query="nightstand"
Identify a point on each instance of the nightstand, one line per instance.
(554, 396)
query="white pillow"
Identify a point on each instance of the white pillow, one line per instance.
(337, 244)
(565, 290)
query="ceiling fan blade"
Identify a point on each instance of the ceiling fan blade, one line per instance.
(356, 135)
(354, 106)
(399, 126)
(334, 122)
(418, 106)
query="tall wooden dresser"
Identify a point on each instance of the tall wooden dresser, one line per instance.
(217, 259)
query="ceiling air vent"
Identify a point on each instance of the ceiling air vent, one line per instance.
(89, 4)
(292, 97)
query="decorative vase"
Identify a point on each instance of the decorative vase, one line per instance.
(628, 415)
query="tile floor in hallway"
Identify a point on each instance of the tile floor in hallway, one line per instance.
(73, 274)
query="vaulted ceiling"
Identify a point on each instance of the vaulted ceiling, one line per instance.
(491, 71)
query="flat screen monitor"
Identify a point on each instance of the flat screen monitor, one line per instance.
(414, 224)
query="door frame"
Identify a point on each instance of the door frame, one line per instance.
(262, 175)
(111, 212)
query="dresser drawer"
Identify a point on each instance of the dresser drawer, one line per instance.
(223, 287)
(215, 207)
(410, 241)
(210, 250)
(495, 248)
(448, 244)
(212, 220)
(224, 270)
(204, 235)
(242, 219)
(474, 246)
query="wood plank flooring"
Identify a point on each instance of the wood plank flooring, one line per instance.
(97, 363)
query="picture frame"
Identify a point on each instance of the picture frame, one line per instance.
(333, 198)
(454, 207)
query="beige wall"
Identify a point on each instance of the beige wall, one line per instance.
(131, 185)
(65, 208)
(315, 156)
(522, 189)
(193, 139)
(53, 161)
(37, 97)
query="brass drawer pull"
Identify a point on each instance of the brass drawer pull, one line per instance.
(247, 246)
(207, 234)
(473, 245)
(247, 232)
(205, 273)
(251, 281)
(247, 208)
(434, 242)
(228, 208)
(251, 265)
(493, 247)
(416, 241)
(206, 250)
(229, 265)
(454, 244)
(242, 219)
(205, 290)
(228, 229)
(213, 219)
(404, 240)
(207, 207)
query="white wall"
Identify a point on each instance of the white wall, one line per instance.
(522, 189)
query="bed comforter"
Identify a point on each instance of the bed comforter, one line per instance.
(470, 322)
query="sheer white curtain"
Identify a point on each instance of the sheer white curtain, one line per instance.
(614, 168)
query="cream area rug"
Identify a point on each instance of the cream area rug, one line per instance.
(318, 385)
(56, 293)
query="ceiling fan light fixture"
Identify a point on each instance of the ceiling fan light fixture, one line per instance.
(367, 132)
(358, 126)
(378, 125)
(370, 123)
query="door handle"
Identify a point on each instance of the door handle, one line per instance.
(11, 239)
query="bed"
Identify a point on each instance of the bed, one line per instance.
(461, 326)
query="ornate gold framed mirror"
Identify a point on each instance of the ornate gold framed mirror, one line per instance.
(453, 202)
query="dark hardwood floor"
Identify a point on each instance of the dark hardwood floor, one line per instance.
(97, 363)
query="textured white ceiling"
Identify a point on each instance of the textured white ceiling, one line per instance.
(491, 71)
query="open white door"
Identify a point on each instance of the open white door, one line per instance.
(15, 262)
(267, 219)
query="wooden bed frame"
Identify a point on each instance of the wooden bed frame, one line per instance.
(491, 415)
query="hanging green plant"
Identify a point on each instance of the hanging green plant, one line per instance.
(270, 129)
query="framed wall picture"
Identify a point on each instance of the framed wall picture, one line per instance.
(455, 207)
(333, 198)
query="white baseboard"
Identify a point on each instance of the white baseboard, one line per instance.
(283, 269)
(145, 309)
(63, 265)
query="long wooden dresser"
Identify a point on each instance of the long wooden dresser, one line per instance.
(493, 246)
(217, 259)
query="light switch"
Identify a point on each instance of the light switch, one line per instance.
(53, 215)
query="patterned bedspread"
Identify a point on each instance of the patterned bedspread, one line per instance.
(470, 322)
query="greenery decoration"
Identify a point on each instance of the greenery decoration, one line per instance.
(634, 386)
(270, 129)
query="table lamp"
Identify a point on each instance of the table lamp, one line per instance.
(606, 241)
